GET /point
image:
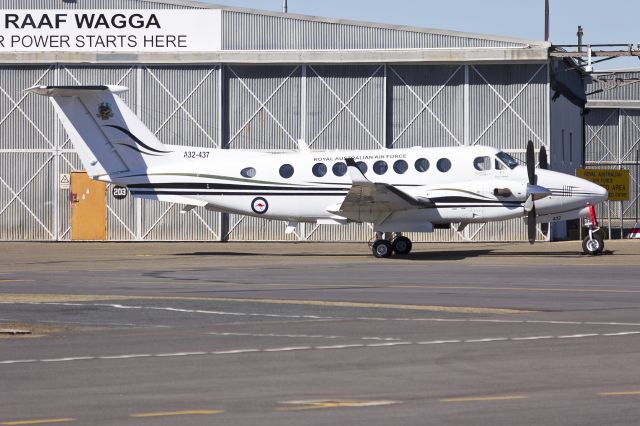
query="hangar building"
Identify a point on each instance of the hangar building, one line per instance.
(245, 78)
(612, 139)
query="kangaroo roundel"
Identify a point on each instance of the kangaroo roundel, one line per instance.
(260, 205)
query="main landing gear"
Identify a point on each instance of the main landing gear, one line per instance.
(593, 244)
(383, 247)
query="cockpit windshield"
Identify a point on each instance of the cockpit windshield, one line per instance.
(507, 159)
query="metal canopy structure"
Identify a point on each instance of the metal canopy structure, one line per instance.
(277, 78)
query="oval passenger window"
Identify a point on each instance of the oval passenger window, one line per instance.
(319, 169)
(443, 164)
(422, 165)
(400, 166)
(380, 167)
(286, 171)
(248, 172)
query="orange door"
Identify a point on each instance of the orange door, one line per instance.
(88, 199)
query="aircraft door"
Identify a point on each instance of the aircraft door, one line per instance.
(88, 200)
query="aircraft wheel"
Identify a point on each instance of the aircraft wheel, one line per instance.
(593, 246)
(382, 248)
(402, 245)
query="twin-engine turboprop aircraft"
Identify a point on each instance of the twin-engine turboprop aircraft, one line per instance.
(397, 190)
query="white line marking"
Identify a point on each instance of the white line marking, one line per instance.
(18, 361)
(292, 348)
(76, 358)
(300, 348)
(376, 345)
(234, 351)
(311, 336)
(357, 345)
(125, 356)
(532, 338)
(251, 314)
(622, 333)
(575, 336)
(182, 354)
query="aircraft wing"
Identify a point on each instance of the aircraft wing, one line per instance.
(368, 201)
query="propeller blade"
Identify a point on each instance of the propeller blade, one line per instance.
(531, 225)
(531, 163)
(542, 158)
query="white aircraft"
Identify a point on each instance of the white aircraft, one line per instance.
(397, 190)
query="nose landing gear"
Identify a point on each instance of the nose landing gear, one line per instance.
(383, 247)
(593, 244)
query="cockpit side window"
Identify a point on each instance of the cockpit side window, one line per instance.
(507, 159)
(482, 163)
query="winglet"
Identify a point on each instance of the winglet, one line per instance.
(356, 174)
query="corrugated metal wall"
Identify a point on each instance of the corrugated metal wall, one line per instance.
(179, 104)
(343, 107)
(252, 31)
(265, 107)
(612, 138)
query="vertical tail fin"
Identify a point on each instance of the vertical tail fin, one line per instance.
(107, 135)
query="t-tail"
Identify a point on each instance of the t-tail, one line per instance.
(109, 138)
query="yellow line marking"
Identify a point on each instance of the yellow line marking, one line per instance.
(178, 413)
(315, 405)
(368, 305)
(44, 298)
(484, 398)
(623, 393)
(38, 422)
(581, 290)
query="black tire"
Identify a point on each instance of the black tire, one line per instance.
(593, 246)
(402, 245)
(382, 248)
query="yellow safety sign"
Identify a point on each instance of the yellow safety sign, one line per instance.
(615, 181)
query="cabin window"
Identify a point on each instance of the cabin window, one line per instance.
(286, 171)
(248, 172)
(422, 165)
(380, 167)
(499, 165)
(482, 163)
(339, 169)
(443, 164)
(319, 169)
(362, 166)
(400, 166)
(507, 159)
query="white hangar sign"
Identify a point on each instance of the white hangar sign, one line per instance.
(110, 30)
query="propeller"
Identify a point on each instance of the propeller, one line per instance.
(542, 158)
(543, 164)
(529, 205)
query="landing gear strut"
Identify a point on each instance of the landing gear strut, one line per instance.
(383, 247)
(593, 244)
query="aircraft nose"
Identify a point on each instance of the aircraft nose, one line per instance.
(595, 193)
